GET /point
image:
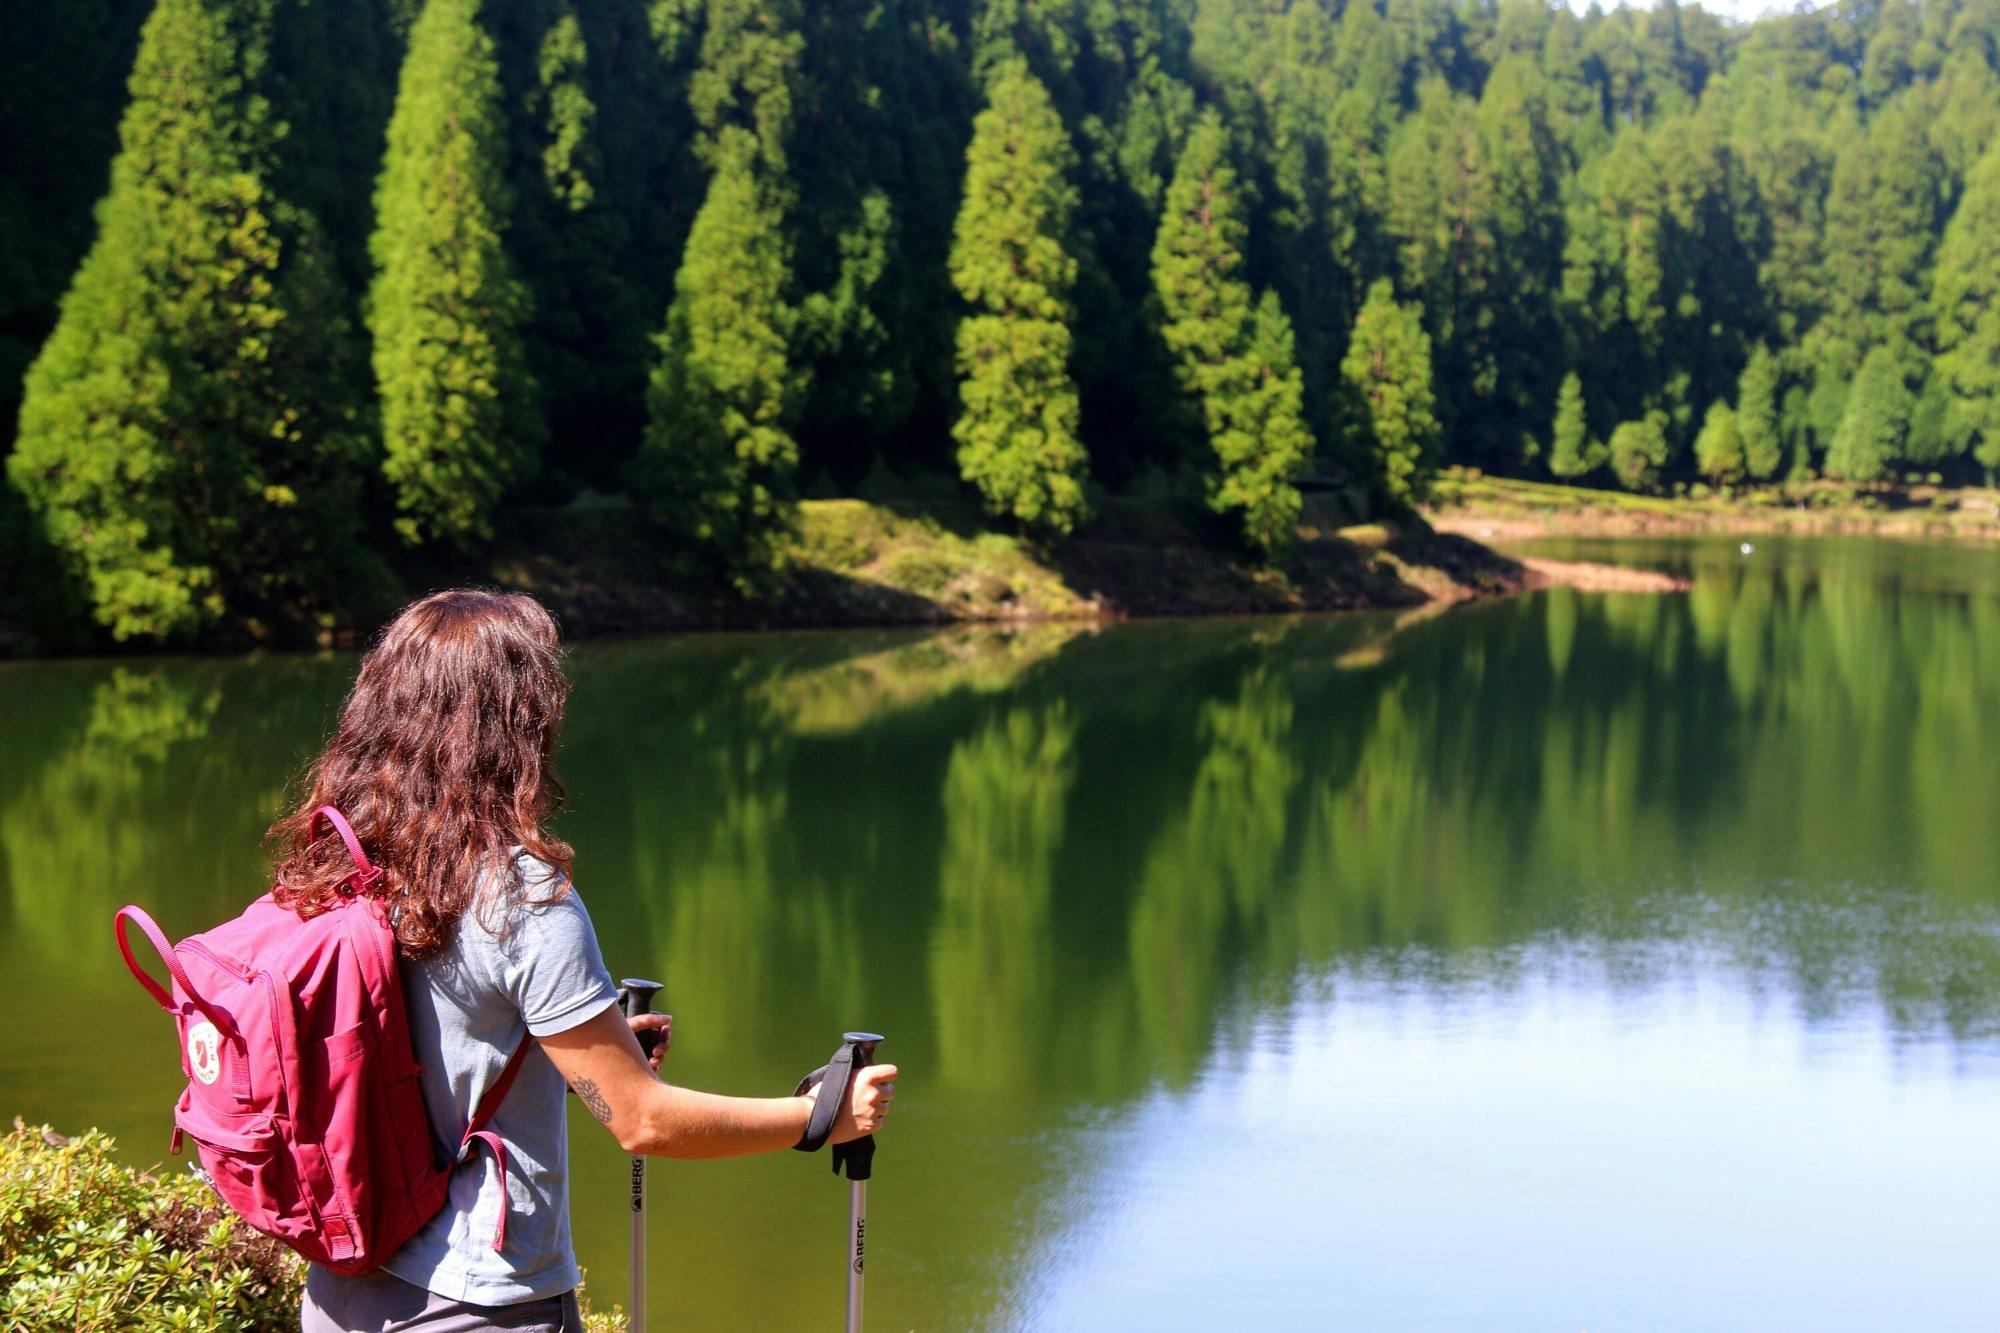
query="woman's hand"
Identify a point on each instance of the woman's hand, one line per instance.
(868, 1098)
(648, 1022)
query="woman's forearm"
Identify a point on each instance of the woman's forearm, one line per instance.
(602, 1063)
(697, 1126)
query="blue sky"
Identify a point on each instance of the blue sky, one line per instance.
(1735, 9)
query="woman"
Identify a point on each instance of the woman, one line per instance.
(441, 762)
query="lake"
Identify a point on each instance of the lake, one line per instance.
(1575, 961)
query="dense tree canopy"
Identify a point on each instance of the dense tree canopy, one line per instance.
(715, 262)
(187, 435)
(1965, 301)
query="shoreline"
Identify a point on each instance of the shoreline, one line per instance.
(859, 565)
(1495, 509)
(865, 566)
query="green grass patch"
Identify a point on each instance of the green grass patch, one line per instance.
(983, 574)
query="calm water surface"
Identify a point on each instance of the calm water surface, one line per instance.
(1573, 962)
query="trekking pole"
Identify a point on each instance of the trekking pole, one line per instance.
(858, 1156)
(834, 1079)
(635, 997)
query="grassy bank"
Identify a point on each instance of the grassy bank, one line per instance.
(1501, 509)
(858, 563)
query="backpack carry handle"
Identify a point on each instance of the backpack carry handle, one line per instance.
(158, 938)
(366, 873)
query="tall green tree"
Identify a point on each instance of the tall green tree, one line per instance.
(1718, 450)
(461, 424)
(1569, 442)
(1010, 261)
(1965, 300)
(717, 468)
(1233, 354)
(188, 440)
(1874, 421)
(1387, 370)
(1757, 415)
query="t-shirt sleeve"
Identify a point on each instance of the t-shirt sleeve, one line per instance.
(551, 966)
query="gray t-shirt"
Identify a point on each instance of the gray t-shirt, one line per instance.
(512, 970)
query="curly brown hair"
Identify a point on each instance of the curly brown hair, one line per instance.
(441, 760)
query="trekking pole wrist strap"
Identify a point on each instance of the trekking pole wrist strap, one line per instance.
(833, 1078)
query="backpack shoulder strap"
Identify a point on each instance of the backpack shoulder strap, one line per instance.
(490, 1103)
(476, 1132)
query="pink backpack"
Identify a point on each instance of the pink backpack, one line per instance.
(303, 1094)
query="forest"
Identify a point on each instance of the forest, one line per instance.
(299, 296)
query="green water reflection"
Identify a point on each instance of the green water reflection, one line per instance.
(1073, 873)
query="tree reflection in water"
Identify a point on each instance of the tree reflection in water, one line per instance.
(1063, 869)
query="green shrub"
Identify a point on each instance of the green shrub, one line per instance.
(90, 1246)
(87, 1244)
(920, 570)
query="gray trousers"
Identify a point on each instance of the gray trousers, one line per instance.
(380, 1302)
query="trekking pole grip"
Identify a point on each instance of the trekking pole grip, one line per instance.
(635, 997)
(834, 1079)
(858, 1155)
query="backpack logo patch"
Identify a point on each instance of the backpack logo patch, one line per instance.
(205, 1051)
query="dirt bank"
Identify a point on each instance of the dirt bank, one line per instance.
(853, 563)
(856, 563)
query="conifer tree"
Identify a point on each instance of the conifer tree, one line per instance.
(187, 437)
(1569, 445)
(1875, 420)
(1388, 373)
(460, 421)
(1757, 415)
(1965, 298)
(717, 466)
(1216, 334)
(1267, 443)
(1718, 450)
(1017, 425)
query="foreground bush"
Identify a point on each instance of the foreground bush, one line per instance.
(90, 1246)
